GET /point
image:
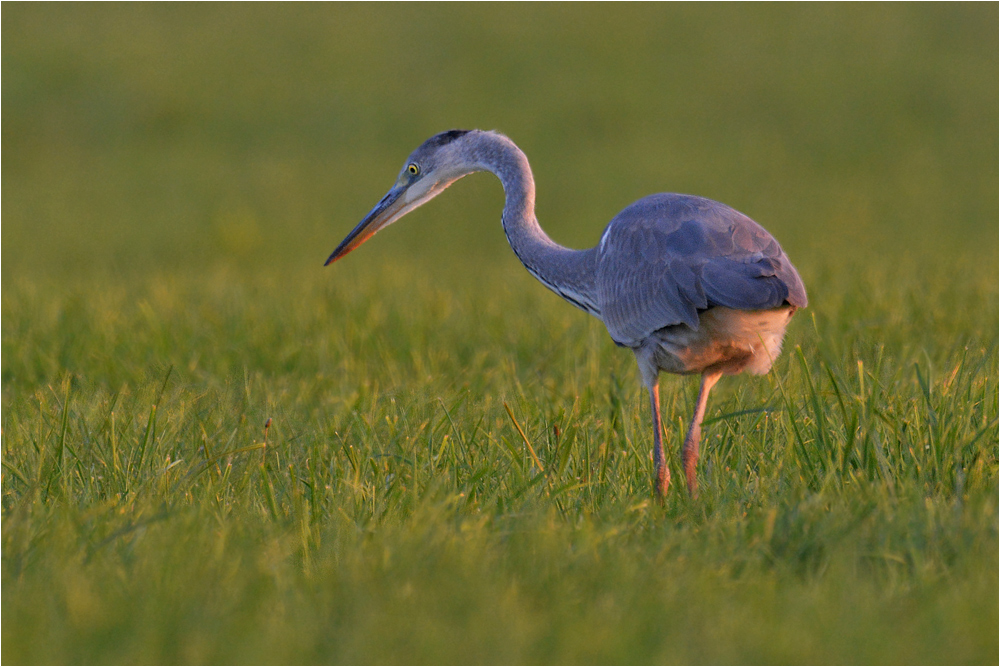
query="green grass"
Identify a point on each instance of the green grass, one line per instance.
(174, 177)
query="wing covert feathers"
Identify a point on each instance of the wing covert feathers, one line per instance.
(668, 256)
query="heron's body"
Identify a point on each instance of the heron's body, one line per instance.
(689, 284)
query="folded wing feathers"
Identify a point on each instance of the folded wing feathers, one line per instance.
(669, 256)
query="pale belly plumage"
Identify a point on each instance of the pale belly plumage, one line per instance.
(732, 341)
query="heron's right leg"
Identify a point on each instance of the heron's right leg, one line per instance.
(689, 455)
(662, 482)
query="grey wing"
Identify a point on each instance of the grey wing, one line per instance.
(667, 256)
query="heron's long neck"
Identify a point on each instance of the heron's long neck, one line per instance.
(569, 273)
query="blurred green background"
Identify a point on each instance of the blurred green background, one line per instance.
(174, 176)
(159, 138)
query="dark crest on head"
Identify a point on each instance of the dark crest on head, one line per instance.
(444, 138)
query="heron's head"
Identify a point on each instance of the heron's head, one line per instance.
(436, 164)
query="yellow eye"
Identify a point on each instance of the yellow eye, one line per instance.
(413, 170)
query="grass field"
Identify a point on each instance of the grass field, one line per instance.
(174, 177)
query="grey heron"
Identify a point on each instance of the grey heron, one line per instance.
(688, 284)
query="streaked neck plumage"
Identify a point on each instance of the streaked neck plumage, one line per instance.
(569, 273)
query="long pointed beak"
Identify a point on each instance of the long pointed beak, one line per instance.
(384, 213)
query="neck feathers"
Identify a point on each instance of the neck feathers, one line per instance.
(568, 273)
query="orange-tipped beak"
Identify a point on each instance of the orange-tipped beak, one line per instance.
(384, 213)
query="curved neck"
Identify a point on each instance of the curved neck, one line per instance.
(569, 273)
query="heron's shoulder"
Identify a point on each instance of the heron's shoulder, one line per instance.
(686, 225)
(668, 211)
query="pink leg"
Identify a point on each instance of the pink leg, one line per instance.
(690, 453)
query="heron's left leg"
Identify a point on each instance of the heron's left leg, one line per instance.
(689, 455)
